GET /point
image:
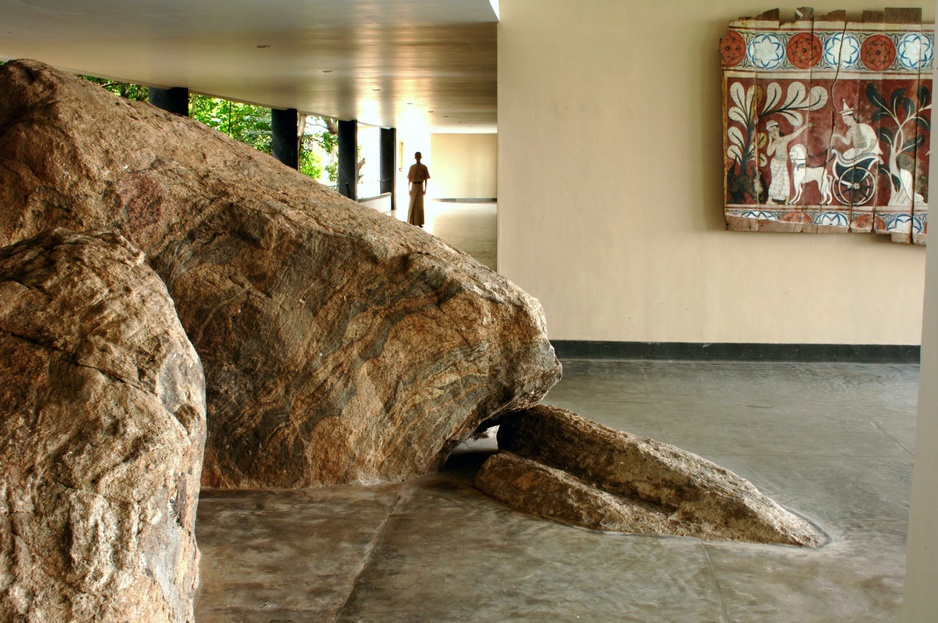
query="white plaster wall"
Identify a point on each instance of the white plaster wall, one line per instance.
(465, 166)
(610, 191)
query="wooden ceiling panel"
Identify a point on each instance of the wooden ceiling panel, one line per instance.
(430, 62)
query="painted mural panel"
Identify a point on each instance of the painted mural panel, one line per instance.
(826, 123)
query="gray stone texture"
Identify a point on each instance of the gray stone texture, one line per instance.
(830, 441)
(102, 427)
(557, 464)
(339, 345)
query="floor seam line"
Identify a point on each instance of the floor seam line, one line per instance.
(369, 556)
(726, 616)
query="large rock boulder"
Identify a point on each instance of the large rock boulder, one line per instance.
(557, 464)
(102, 425)
(339, 344)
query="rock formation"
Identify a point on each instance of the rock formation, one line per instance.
(556, 464)
(339, 345)
(102, 425)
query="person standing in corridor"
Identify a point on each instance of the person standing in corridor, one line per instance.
(417, 176)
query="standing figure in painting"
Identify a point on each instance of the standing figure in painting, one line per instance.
(861, 137)
(777, 149)
(417, 176)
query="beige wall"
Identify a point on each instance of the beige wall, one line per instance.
(464, 166)
(610, 191)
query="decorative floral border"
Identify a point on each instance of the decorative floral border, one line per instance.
(800, 50)
(882, 222)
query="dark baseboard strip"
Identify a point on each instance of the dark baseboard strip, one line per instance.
(467, 200)
(375, 198)
(690, 351)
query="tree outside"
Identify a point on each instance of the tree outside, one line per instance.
(319, 148)
(317, 136)
(243, 122)
(124, 89)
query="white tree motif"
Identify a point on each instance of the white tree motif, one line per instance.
(748, 110)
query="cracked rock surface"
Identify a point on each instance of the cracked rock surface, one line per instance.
(556, 464)
(102, 426)
(339, 345)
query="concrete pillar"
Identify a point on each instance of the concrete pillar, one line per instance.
(920, 600)
(284, 141)
(174, 100)
(388, 163)
(348, 159)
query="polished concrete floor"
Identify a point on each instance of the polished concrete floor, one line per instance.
(832, 442)
(470, 227)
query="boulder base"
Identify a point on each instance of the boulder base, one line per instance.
(339, 344)
(102, 425)
(557, 464)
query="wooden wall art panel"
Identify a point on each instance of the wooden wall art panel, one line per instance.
(826, 123)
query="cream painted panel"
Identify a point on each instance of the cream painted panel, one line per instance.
(610, 191)
(465, 166)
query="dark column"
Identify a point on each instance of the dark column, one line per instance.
(284, 142)
(388, 164)
(174, 100)
(348, 159)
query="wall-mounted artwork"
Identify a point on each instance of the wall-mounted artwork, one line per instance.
(826, 123)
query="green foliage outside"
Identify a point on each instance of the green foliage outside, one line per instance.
(320, 142)
(124, 89)
(310, 164)
(251, 124)
(242, 122)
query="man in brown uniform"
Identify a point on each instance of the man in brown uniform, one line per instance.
(417, 176)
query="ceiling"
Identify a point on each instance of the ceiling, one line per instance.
(391, 63)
